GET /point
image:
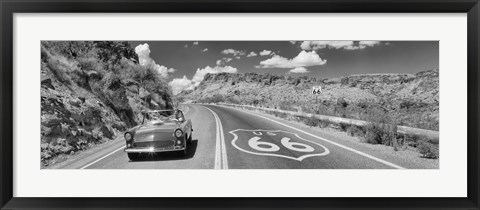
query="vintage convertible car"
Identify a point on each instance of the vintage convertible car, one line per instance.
(160, 131)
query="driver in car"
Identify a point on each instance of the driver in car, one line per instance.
(178, 115)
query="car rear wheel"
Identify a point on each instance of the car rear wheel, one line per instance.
(133, 156)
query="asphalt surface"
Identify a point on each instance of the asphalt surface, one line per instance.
(228, 138)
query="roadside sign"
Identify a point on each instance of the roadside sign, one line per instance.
(316, 90)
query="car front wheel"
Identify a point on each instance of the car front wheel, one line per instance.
(133, 156)
(185, 151)
(189, 141)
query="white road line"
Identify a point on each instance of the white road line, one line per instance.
(99, 159)
(221, 161)
(331, 142)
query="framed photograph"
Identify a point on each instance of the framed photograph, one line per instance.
(239, 105)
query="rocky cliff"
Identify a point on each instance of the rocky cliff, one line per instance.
(90, 93)
(407, 99)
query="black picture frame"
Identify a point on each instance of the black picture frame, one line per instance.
(10, 7)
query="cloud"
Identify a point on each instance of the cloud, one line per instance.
(223, 61)
(186, 46)
(303, 59)
(298, 70)
(347, 45)
(143, 52)
(233, 52)
(195, 43)
(163, 70)
(265, 52)
(252, 54)
(293, 42)
(180, 84)
(205, 50)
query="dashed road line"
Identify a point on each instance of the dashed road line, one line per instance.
(221, 161)
(329, 141)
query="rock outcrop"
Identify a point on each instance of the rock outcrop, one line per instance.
(84, 103)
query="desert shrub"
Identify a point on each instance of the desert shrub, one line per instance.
(80, 78)
(424, 121)
(343, 126)
(427, 149)
(232, 100)
(290, 117)
(113, 92)
(179, 99)
(307, 109)
(89, 64)
(280, 114)
(354, 130)
(363, 104)
(406, 104)
(381, 128)
(113, 51)
(70, 49)
(377, 133)
(342, 102)
(217, 98)
(323, 123)
(311, 121)
(60, 68)
(285, 105)
(373, 134)
(45, 54)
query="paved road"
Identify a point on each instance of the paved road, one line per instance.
(227, 138)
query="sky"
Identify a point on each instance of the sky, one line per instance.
(184, 63)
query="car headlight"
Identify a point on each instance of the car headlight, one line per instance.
(178, 133)
(128, 136)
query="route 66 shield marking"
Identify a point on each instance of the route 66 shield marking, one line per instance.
(276, 143)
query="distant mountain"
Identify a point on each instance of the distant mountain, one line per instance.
(408, 99)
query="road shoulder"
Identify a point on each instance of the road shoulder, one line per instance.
(86, 157)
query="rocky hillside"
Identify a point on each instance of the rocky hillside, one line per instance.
(90, 92)
(406, 99)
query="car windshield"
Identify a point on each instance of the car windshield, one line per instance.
(165, 116)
